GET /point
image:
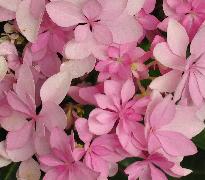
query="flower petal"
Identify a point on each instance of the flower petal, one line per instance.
(64, 13)
(177, 38)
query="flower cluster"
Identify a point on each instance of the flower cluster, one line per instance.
(80, 92)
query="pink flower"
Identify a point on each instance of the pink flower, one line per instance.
(103, 152)
(20, 139)
(117, 106)
(43, 53)
(151, 167)
(160, 113)
(64, 160)
(190, 13)
(148, 22)
(187, 76)
(123, 61)
(97, 23)
(28, 14)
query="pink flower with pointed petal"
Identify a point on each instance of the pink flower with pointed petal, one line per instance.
(190, 13)
(187, 76)
(161, 113)
(103, 152)
(20, 142)
(150, 168)
(123, 62)
(95, 24)
(117, 106)
(64, 160)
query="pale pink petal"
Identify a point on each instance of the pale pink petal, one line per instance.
(102, 34)
(58, 86)
(51, 175)
(13, 122)
(53, 116)
(42, 144)
(173, 143)
(25, 83)
(112, 9)
(81, 32)
(125, 29)
(200, 80)
(194, 91)
(149, 22)
(157, 174)
(80, 170)
(133, 6)
(101, 121)
(186, 122)
(81, 125)
(75, 68)
(105, 102)
(177, 38)
(64, 13)
(29, 170)
(181, 86)
(59, 140)
(17, 104)
(167, 82)
(6, 15)
(17, 139)
(50, 160)
(23, 153)
(197, 46)
(128, 91)
(3, 67)
(163, 54)
(84, 93)
(37, 7)
(201, 113)
(163, 113)
(77, 50)
(10, 4)
(112, 88)
(149, 6)
(28, 24)
(92, 9)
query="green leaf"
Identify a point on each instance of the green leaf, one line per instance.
(9, 172)
(199, 140)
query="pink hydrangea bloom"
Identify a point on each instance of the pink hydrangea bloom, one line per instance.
(103, 152)
(20, 139)
(97, 23)
(190, 13)
(123, 62)
(117, 105)
(64, 160)
(172, 142)
(187, 74)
